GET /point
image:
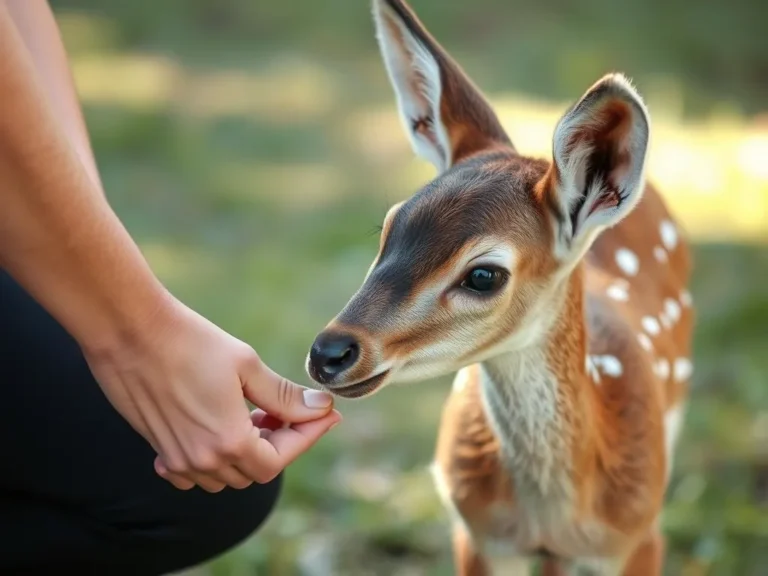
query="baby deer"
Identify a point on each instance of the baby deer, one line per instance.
(557, 290)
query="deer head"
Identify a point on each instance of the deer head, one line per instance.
(471, 265)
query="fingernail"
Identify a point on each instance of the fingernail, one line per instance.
(317, 399)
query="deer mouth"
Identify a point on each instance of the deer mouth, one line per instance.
(360, 389)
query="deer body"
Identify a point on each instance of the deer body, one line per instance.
(558, 293)
(564, 448)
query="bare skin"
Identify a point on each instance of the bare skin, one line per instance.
(178, 379)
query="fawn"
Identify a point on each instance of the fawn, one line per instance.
(558, 292)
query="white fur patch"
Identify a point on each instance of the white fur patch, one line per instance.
(627, 261)
(665, 321)
(660, 254)
(668, 232)
(651, 325)
(661, 367)
(672, 308)
(685, 298)
(520, 398)
(645, 342)
(609, 365)
(683, 369)
(618, 292)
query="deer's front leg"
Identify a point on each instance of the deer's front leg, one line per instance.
(471, 561)
(468, 560)
(648, 557)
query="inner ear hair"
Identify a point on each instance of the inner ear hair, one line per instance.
(599, 152)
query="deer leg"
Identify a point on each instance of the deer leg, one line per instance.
(648, 558)
(467, 558)
(552, 568)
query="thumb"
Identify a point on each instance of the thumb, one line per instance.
(281, 398)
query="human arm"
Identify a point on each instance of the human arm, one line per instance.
(178, 379)
(40, 34)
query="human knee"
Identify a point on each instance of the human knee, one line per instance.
(216, 523)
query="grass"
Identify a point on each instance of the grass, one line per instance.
(251, 151)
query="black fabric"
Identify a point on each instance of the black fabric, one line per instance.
(77, 484)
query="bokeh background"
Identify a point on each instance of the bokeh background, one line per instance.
(252, 147)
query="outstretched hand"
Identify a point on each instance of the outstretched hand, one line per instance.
(182, 386)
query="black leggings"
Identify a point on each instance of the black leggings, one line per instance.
(77, 485)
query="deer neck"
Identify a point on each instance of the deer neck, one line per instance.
(537, 397)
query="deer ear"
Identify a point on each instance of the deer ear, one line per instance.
(599, 153)
(445, 116)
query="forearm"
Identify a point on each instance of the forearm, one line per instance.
(38, 29)
(58, 236)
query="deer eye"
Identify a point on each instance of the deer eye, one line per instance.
(484, 279)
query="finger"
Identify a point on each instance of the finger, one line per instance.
(188, 480)
(282, 398)
(267, 457)
(265, 421)
(233, 478)
(207, 482)
(178, 481)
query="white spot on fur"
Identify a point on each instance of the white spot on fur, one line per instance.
(645, 342)
(661, 367)
(665, 321)
(660, 254)
(672, 308)
(618, 292)
(627, 261)
(668, 232)
(610, 365)
(685, 298)
(683, 369)
(651, 325)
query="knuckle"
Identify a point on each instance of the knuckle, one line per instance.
(177, 466)
(205, 461)
(249, 357)
(232, 447)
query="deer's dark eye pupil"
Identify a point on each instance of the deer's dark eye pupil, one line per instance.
(483, 280)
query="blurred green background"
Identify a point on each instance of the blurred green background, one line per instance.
(252, 147)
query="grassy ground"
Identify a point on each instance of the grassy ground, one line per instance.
(252, 150)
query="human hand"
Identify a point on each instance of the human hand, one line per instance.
(181, 384)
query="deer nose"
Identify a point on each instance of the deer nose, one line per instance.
(332, 354)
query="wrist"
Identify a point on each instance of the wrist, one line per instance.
(134, 322)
